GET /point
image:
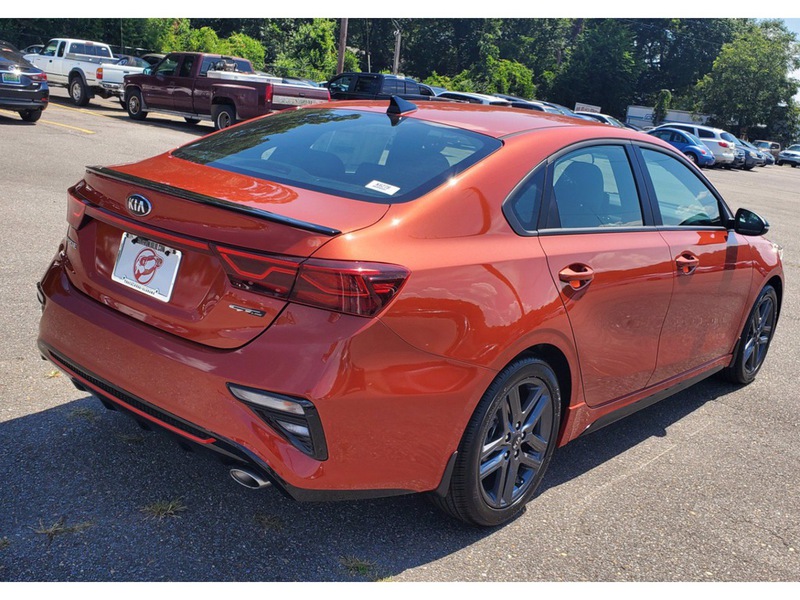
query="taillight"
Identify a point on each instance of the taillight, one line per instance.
(75, 208)
(351, 287)
(725, 145)
(99, 73)
(38, 76)
(355, 288)
(269, 94)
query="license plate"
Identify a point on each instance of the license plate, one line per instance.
(146, 266)
(11, 78)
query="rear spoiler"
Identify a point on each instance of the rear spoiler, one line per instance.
(210, 200)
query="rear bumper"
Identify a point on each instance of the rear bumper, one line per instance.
(392, 415)
(21, 99)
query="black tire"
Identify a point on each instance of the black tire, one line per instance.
(31, 116)
(78, 92)
(191, 120)
(751, 350)
(133, 104)
(779, 163)
(506, 447)
(692, 158)
(122, 102)
(224, 116)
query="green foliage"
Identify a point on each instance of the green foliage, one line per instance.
(310, 51)
(239, 44)
(662, 105)
(750, 81)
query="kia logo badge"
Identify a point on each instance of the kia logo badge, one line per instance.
(139, 206)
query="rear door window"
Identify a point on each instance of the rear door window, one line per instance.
(594, 187)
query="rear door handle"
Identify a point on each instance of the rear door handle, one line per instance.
(578, 276)
(687, 263)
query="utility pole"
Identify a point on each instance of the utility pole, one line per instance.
(342, 45)
(397, 35)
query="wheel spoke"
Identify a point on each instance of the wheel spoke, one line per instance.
(536, 442)
(530, 461)
(490, 466)
(493, 446)
(536, 411)
(510, 482)
(514, 406)
(499, 483)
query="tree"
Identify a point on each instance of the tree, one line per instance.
(750, 80)
(602, 69)
(662, 104)
(311, 52)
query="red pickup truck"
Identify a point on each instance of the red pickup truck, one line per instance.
(222, 89)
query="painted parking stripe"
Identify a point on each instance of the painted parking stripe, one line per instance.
(81, 129)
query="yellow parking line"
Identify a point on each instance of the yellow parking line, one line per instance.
(89, 131)
(67, 126)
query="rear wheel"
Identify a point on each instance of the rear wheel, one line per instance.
(691, 157)
(224, 116)
(78, 92)
(507, 445)
(133, 104)
(31, 116)
(755, 339)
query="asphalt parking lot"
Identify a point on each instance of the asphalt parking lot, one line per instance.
(700, 487)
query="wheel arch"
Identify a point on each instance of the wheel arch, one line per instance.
(777, 283)
(554, 357)
(77, 72)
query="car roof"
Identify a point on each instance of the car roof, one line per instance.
(495, 121)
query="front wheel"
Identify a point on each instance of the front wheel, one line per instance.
(755, 339)
(224, 116)
(133, 104)
(507, 445)
(31, 116)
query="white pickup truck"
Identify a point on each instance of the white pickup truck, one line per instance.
(73, 64)
(111, 76)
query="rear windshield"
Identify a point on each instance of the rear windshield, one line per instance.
(359, 155)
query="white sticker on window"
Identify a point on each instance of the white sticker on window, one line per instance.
(384, 188)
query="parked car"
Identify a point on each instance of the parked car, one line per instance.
(719, 141)
(565, 111)
(23, 87)
(790, 156)
(694, 149)
(606, 119)
(344, 300)
(33, 49)
(376, 86)
(223, 89)
(527, 104)
(773, 148)
(111, 76)
(759, 156)
(474, 98)
(72, 64)
(153, 58)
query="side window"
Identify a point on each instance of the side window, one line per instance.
(412, 87)
(683, 199)
(525, 202)
(76, 48)
(167, 66)
(50, 50)
(663, 135)
(206, 65)
(186, 66)
(390, 86)
(61, 48)
(594, 187)
(704, 133)
(342, 84)
(681, 127)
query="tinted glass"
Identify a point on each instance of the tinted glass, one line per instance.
(167, 66)
(186, 66)
(682, 198)
(594, 187)
(694, 140)
(366, 156)
(341, 84)
(392, 86)
(526, 201)
(705, 134)
(50, 50)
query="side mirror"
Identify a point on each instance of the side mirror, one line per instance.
(746, 222)
(148, 71)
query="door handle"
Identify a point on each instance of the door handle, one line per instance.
(687, 263)
(578, 276)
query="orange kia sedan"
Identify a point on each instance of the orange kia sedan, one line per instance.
(356, 299)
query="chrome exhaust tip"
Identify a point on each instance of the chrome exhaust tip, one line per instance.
(249, 479)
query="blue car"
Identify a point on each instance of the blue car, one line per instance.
(695, 150)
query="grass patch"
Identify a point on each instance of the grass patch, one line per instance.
(164, 508)
(356, 566)
(60, 527)
(87, 414)
(4, 543)
(269, 522)
(53, 373)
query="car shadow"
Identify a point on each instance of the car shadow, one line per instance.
(88, 496)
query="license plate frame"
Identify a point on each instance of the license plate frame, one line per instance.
(12, 77)
(147, 266)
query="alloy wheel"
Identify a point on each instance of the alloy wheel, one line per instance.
(759, 333)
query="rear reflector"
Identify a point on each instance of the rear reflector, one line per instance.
(351, 287)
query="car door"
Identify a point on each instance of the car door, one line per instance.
(183, 82)
(612, 267)
(157, 89)
(711, 266)
(339, 87)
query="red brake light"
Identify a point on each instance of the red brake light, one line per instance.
(38, 76)
(269, 94)
(726, 145)
(99, 73)
(355, 288)
(75, 209)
